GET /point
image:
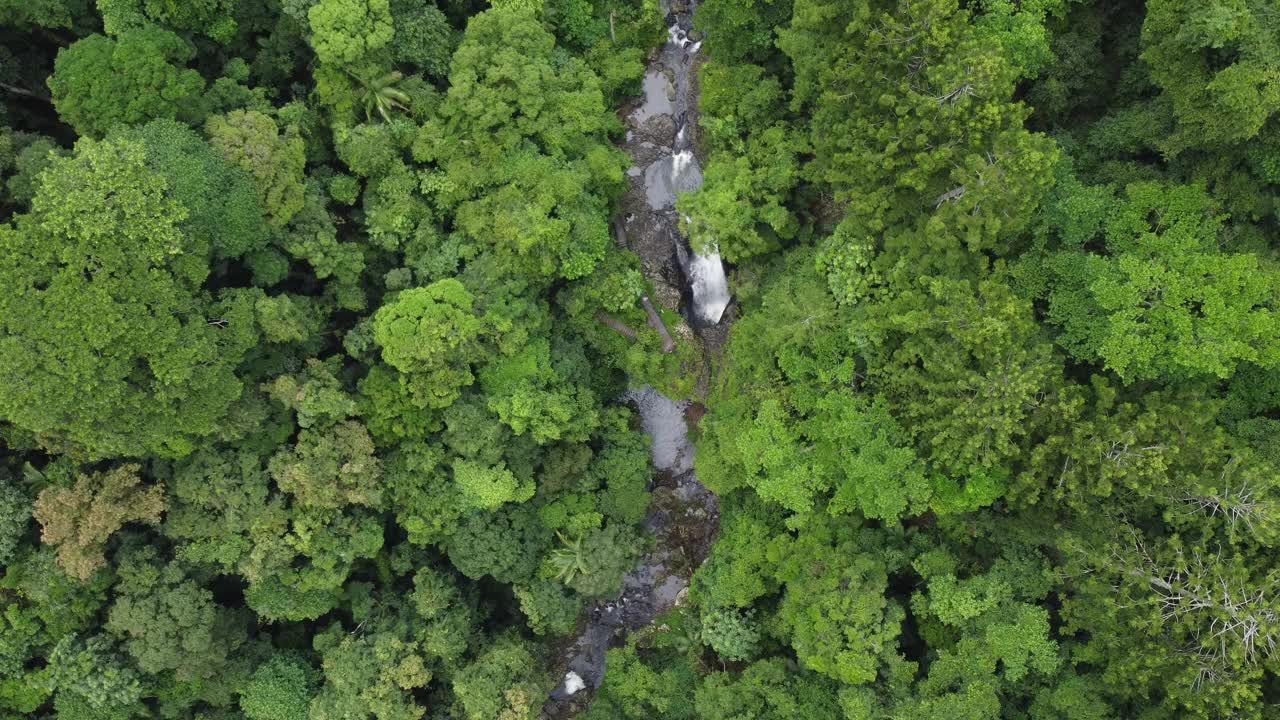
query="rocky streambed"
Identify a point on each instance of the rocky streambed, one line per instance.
(662, 127)
(684, 516)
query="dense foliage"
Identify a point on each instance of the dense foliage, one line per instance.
(308, 410)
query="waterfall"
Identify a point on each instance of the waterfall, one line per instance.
(664, 179)
(686, 173)
(707, 282)
(709, 285)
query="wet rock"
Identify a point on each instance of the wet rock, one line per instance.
(684, 333)
(659, 131)
(571, 685)
(666, 177)
(667, 296)
(693, 414)
(650, 237)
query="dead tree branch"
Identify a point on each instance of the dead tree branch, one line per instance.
(948, 196)
(23, 92)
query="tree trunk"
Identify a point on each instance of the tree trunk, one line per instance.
(655, 321)
(616, 325)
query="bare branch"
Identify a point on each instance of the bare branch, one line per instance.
(23, 92)
(948, 196)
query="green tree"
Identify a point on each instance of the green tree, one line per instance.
(742, 566)
(431, 335)
(316, 395)
(167, 622)
(506, 544)
(370, 673)
(486, 488)
(1022, 31)
(766, 690)
(15, 516)
(736, 101)
(330, 468)
(919, 137)
(117, 345)
(312, 236)
(216, 498)
(42, 606)
(783, 357)
(504, 683)
(28, 163)
(251, 140)
(521, 140)
(395, 212)
(731, 634)
(530, 396)
(428, 505)
(744, 31)
(45, 13)
(1164, 302)
(345, 31)
(447, 622)
(549, 608)
(877, 472)
(637, 690)
(280, 689)
(100, 82)
(218, 197)
(215, 18)
(600, 558)
(1195, 623)
(622, 470)
(964, 369)
(90, 674)
(1104, 442)
(372, 149)
(1217, 63)
(423, 37)
(999, 624)
(301, 558)
(834, 607)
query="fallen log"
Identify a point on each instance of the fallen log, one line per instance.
(655, 321)
(616, 325)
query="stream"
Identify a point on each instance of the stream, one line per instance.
(684, 515)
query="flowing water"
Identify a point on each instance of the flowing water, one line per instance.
(684, 515)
